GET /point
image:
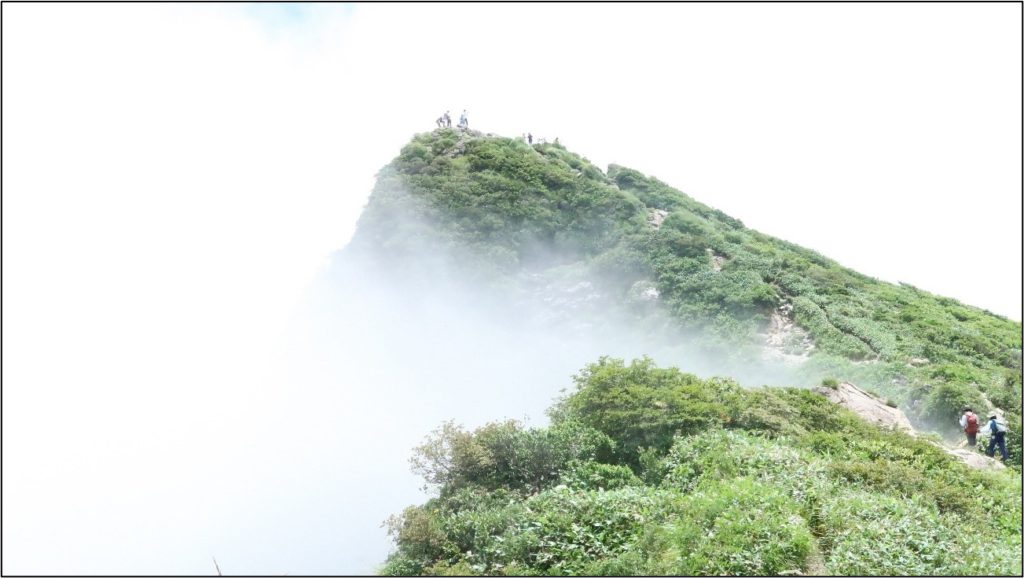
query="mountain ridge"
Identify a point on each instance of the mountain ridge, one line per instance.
(488, 251)
(508, 210)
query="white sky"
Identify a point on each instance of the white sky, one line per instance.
(175, 175)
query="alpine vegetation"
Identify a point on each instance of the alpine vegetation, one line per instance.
(485, 271)
(651, 471)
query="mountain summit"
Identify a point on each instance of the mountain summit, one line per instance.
(484, 268)
(540, 222)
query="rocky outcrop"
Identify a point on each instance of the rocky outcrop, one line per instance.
(878, 412)
(644, 290)
(974, 459)
(786, 341)
(655, 217)
(867, 406)
(716, 261)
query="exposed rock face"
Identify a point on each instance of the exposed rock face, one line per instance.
(975, 460)
(716, 260)
(786, 340)
(867, 406)
(644, 292)
(656, 216)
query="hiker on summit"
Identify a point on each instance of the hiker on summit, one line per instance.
(969, 423)
(529, 137)
(998, 437)
(463, 121)
(447, 119)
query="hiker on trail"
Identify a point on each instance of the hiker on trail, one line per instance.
(447, 119)
(440, 121)
(998, 431)
(463, 121)
(529, 137)
(969, 423)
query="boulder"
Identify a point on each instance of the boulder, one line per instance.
(867, 406)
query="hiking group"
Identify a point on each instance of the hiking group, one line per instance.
(445, 120)
(995, 428)
(528, 137)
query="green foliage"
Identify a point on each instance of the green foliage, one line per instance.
(943, 403)
(647, 470)
(504, 455)
(734, 527)
(874, 534)
(497, 194)
(598, 476)
(504, 211)
(724, 455)
(771, 481)
(574, 528)
(902, 480)
(1013, 439)
(642, 406)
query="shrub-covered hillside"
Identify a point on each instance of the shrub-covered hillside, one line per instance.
(507, 213)
(650, 471)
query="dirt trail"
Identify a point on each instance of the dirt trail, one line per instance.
(876, 411)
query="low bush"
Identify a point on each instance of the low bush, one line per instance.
(504, 455)
(942, 404)
(597, 476)
(733, 527)
(874, 534)
(736, 491)
(643, 406)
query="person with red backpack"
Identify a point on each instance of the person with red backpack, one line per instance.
(969, 423)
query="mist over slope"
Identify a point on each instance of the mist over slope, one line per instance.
(538, 229)
(485, 272)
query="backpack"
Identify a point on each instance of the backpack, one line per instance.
(972, 424)
(1000, 427)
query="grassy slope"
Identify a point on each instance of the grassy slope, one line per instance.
(506, 208)
(649, 471)
(729, 481)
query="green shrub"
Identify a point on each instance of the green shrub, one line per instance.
(943, 404)
(643, 406)
(732, 527)
(597, 476)
(766, 411)
(874, 534)
(500, 212)
(790, 411)
(399, 565)
(575, 528)
(504, 455)
(721, 455)
(630, 563)
(757, 496)
(495, 196)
